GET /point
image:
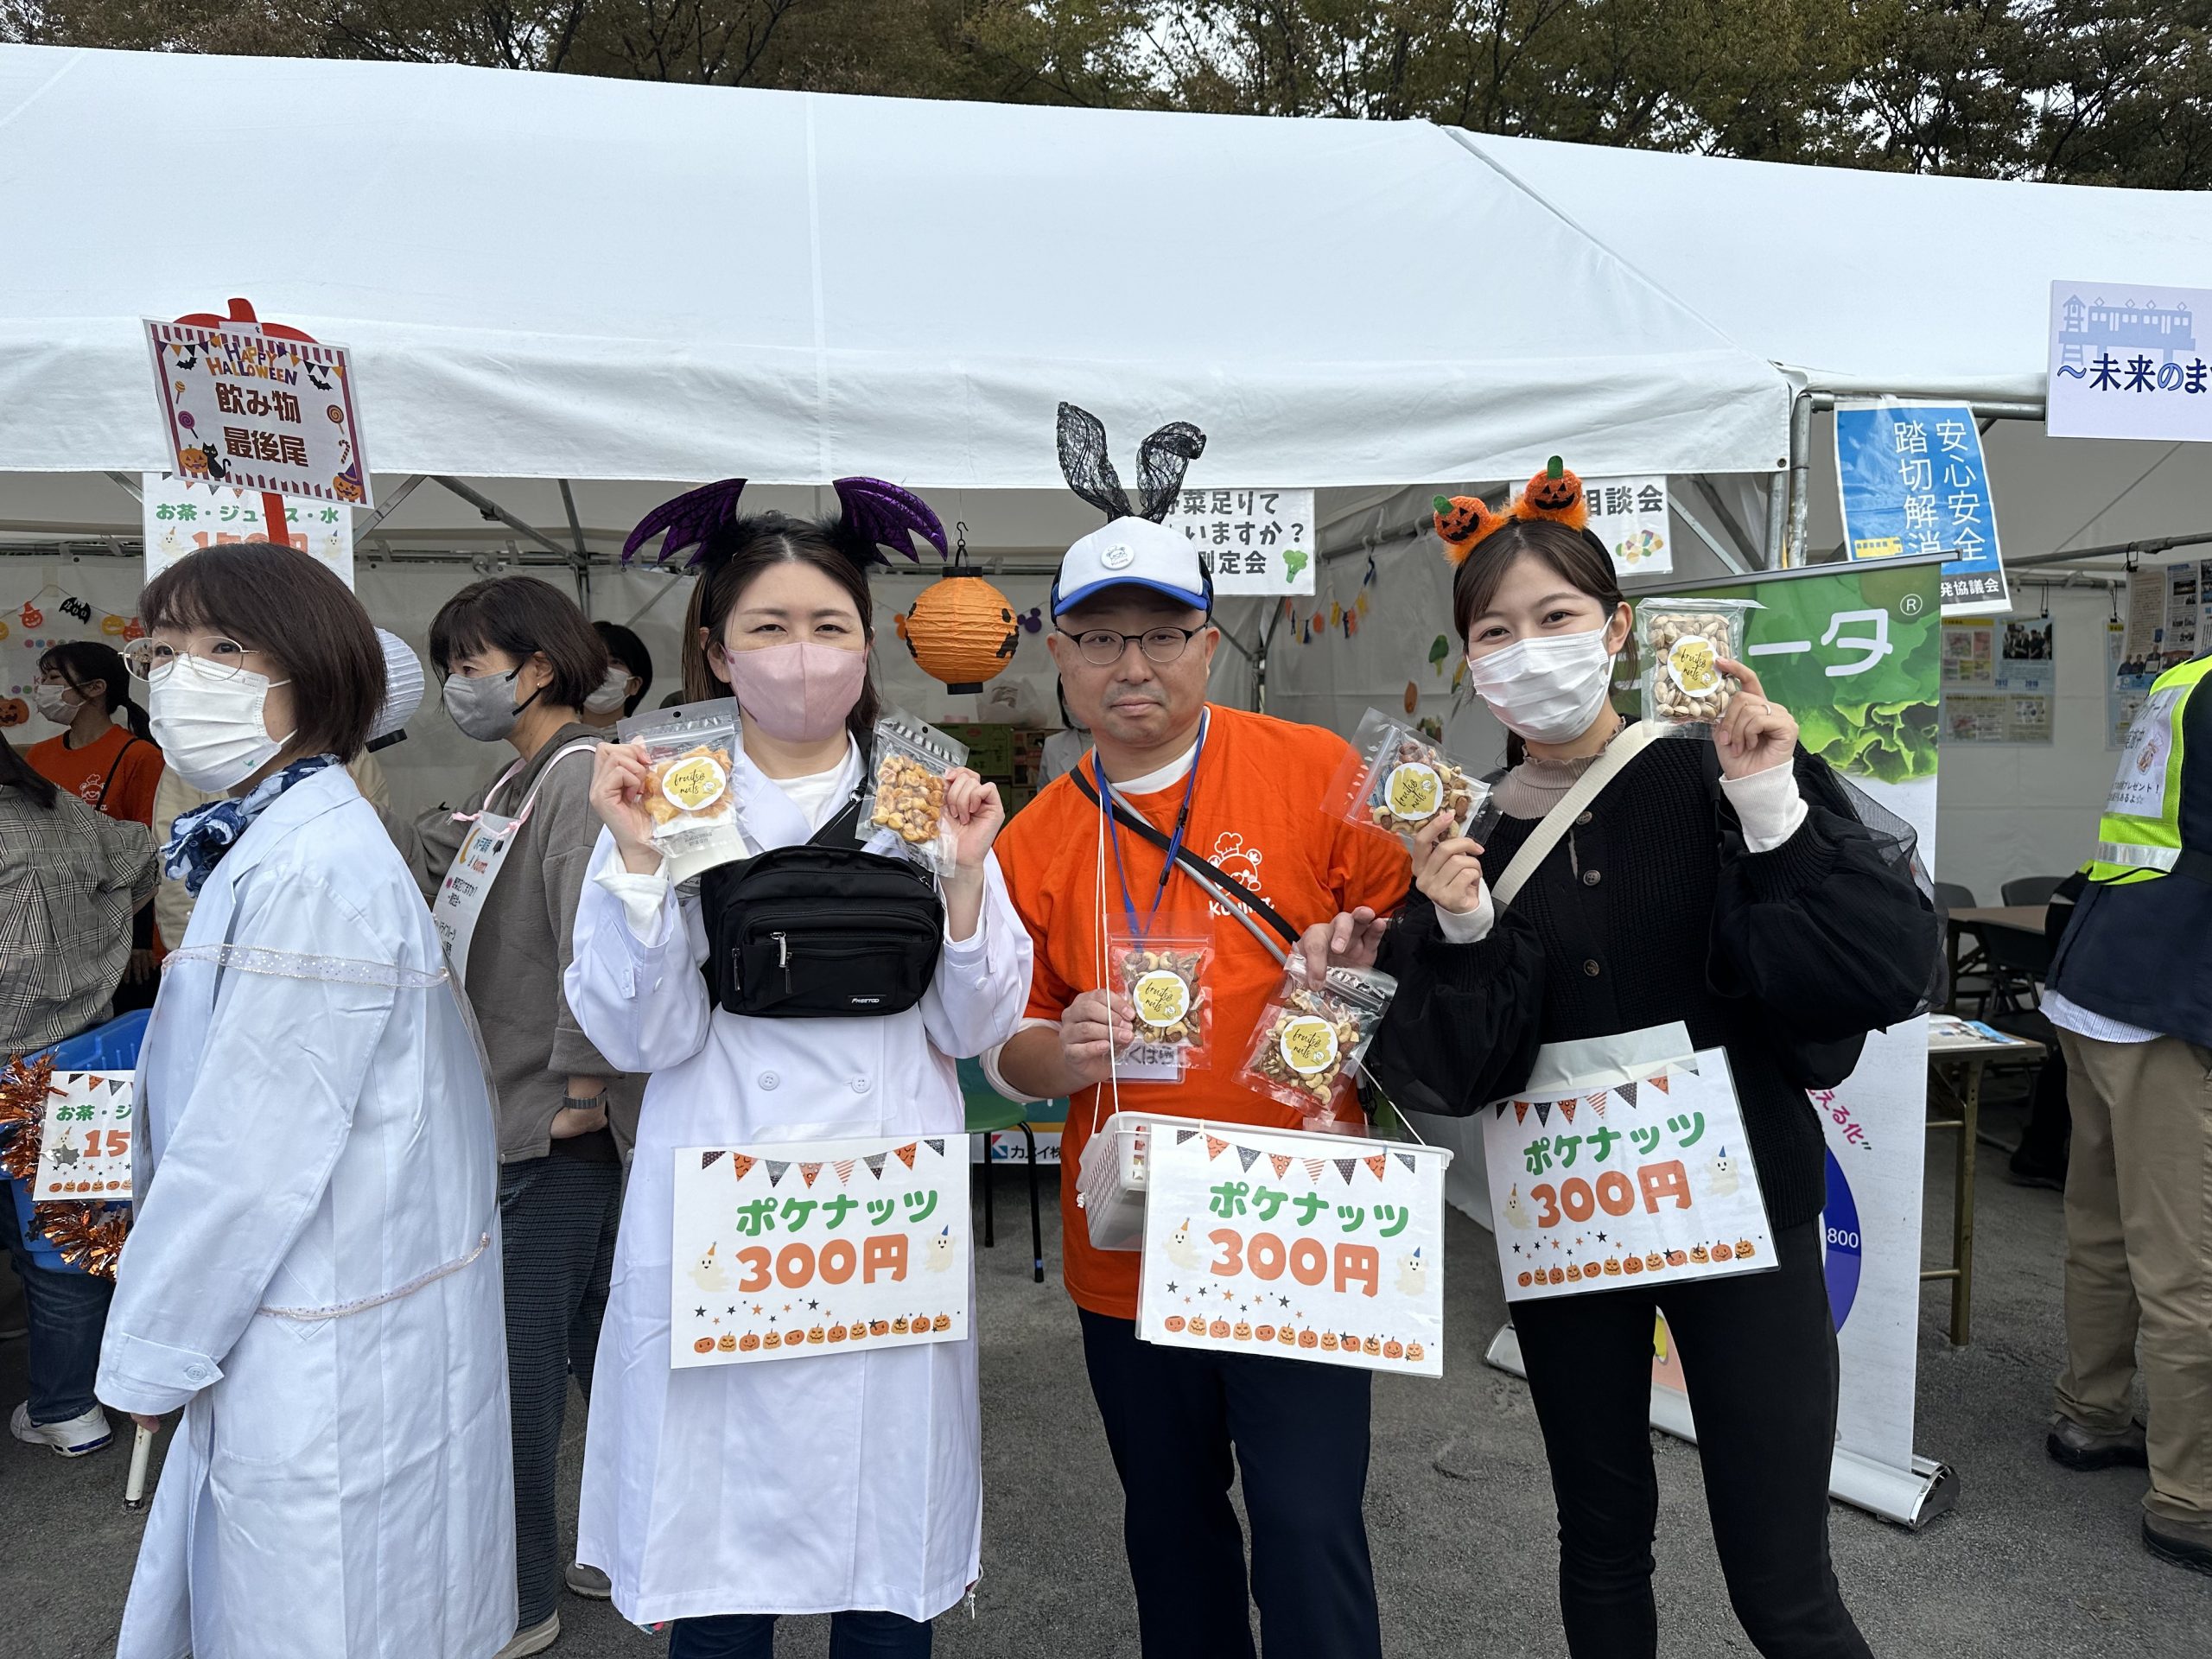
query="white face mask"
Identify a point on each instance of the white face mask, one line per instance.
(613, 692)
(53, 703)
(208, 723)
(1550, 688)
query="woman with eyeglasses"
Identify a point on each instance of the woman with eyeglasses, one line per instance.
(520, 662)
(313, 1273)
(105, 758)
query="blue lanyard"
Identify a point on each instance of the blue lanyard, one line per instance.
(1110, 830)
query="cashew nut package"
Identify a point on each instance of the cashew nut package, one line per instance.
(906, 789)
(689, 753)
(1396, 780)
(1310, 1037)
(1165, 974)
(1682, 641)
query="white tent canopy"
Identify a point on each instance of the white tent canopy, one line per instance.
(1866, 282)
(557, 276)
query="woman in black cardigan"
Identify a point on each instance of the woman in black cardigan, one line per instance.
(1746, 902)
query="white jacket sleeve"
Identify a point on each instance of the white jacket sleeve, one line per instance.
(247, 1161)
(641, 1001)
(982, 982)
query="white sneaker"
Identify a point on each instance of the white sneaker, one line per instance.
(587, 1581)
(536, 1639)
(70, 1439)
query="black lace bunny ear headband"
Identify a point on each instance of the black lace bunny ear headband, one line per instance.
(876, 515)
(1161, 460)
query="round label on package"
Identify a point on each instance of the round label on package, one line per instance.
(1413, 790)
(1308, 1045)
(696, 784)
(1694, 665)
(1162, 998)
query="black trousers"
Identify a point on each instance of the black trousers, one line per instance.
(1758, 1354)
(1181, 1423)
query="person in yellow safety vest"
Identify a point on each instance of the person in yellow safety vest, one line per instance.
(2131, 993)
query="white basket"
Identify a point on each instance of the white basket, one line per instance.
(1110, 1184)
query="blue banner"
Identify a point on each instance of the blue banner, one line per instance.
(1913, 479)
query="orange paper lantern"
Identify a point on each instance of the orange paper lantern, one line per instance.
(962, 630)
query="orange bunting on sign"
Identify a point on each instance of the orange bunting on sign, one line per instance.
(1313, 1170)
(906, 1154)
(1567, 1110)
(1659, 1083)
(808, 1171)
(740, 1166)
(1377, 1164)
(1280, 1160)
(1215, 1148)
(1597, 1102)
(1520, 1111)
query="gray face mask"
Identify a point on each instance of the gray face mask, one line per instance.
(485, 707)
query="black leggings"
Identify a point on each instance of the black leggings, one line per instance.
(1758, 1353)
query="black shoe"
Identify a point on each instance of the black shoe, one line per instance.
(2182, 1552)
(2081, 1448)
(2028, 1172)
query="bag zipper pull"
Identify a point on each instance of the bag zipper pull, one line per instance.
(784, 958)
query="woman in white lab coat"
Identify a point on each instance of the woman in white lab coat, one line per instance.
(314, 1273)
(850, 1484)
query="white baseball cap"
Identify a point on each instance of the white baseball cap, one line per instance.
(1133, 552)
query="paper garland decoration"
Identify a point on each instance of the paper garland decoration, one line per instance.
(1247, 1155)
(1280, 1160)
(808, 1171)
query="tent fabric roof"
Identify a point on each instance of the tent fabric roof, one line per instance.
(1860, 281)
(552, 276)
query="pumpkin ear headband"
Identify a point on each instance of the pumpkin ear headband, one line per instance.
(1462, 521)
(1554, 493)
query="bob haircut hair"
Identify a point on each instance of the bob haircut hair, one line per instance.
(278, 601)
(625, 648)
(740, 551)
(524, 617)
(1574, 554)
(80, 662)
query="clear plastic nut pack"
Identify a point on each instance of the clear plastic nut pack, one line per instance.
(1397, 780)
(1310, 1038)
(1165, 976)
(690, 755)
(1682, 642)
(907, 788)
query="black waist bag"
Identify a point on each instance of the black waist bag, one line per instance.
(821, 931)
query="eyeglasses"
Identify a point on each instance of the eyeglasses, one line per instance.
(151, 660)
(1102, 647)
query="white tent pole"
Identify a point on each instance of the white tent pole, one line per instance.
(491, 509)
(413, 481)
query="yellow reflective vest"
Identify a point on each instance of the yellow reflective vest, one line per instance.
(2139, 838)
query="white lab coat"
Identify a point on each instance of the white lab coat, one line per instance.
(836, 1482)
(314, 1134)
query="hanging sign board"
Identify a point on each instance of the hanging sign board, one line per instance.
(182, 516)
(258, 412)
(1913, 480)
(84, 1149)
(799, 1250)
(1256, 541)
(1629, 515)
(2129, 361)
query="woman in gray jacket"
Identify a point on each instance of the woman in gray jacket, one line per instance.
(519, 659)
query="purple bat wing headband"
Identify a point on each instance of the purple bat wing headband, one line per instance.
(875, 514)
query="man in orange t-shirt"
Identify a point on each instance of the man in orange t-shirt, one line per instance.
(1134, 641)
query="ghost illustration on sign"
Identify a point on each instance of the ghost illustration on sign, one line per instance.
(1181, 1250)
(1412, 1274)
(1517, 1213)
(1721, 1179)
(938, 1255)
(707, 1273)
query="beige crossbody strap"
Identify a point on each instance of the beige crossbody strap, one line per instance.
(1608, 766)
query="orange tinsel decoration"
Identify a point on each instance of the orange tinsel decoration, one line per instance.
(24, 1086)
(88, 1236)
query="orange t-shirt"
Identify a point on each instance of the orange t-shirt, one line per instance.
(102, 774)
(1255, 812)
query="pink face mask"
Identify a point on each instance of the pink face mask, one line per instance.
(796, 693)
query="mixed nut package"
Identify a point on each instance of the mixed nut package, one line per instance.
(1310, 1037)
(1682, 641)
(689, 753)
(1396, 780)
(1164, 975)
(906, 790)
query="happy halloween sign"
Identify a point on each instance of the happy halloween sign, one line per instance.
(804, 1249)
